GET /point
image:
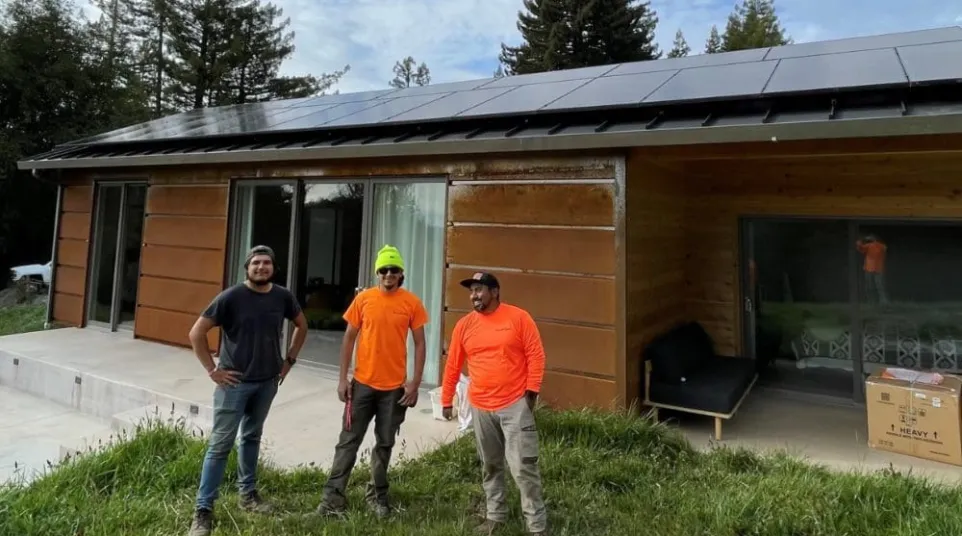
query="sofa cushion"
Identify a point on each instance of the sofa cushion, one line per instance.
(679, 353)
(717, 387)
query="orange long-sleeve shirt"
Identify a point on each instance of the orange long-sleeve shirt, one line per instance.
(874, 256)
(504, 354)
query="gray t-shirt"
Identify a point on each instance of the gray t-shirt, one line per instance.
(251, 323)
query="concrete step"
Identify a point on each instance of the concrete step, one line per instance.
(90, 394)
(128, 421)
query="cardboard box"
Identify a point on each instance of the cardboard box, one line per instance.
(909, 416)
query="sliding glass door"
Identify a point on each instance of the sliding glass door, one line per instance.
(410, 216)
(331, 231)
(829, 302)
(115, 269)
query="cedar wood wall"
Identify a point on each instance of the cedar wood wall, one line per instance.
(683, 210)
(551, 243)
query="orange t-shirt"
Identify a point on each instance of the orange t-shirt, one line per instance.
(874, 256)
(383, 320)
(504, 355)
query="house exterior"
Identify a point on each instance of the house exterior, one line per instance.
(612, 202)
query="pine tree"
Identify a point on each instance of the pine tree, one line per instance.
(566, 34)
(152, 32)
(714, 43)
(407, 73)
(539, 24)
(499, 72)
(753, 24)
(680, 47)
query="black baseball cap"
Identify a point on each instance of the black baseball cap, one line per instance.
(483, 278)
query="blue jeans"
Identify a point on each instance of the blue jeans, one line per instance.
(243, 406)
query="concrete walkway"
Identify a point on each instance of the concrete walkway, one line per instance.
(115, 379)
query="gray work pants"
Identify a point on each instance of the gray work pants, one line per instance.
(510, 435)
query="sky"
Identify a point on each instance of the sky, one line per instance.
(460, 39)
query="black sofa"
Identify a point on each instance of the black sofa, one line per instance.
(683, 373)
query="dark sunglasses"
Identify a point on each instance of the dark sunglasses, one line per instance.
(393, 270)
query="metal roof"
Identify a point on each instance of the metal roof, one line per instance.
(696, 99)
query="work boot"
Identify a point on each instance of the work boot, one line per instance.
(381, 510)
(488, 527)
(252, 502)
(329, 509)
(203, 523)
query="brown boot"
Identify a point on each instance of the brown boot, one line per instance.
(252, 502)
(488, 527)
(202, 524)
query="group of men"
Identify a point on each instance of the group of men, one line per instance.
(498, 342)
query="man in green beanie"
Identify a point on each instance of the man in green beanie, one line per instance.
(378, 323)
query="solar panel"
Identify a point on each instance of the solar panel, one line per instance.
(440, 88)
(315, 118)
(523, 99)
(723, 81)
(698, 60)
(382, 112)
(931, 63)
(866, 68)
(450, 105)
(551, 76)
(612, 91)
(855, 44)
(342, 98)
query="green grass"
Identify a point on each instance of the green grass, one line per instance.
(21, 319)
(603, 475)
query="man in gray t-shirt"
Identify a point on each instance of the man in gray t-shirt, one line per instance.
(251, 317)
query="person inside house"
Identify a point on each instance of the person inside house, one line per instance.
(505, 359)
(873, 268)
(251, 367)
(379, 320)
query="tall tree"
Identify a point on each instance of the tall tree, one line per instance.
(565, 34)
(714, 43)
(679, 47)
(753, 24)
(408, 73)
(499, 72)
(230, 52)
(152, 30)
(53, 89)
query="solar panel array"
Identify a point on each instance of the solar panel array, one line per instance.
(893, 60)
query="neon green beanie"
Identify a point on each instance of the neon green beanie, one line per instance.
(388, 256)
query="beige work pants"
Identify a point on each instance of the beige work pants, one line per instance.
(510, 435)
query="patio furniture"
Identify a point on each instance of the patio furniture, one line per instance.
(683, 373)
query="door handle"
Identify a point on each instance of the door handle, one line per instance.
(748, 305)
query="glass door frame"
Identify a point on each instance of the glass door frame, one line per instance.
(855, 223)
(368, 249)
(96, 237)
(748, 308)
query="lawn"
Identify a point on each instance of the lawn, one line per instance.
(21, 319)
(604, 475)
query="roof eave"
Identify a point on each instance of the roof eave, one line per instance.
(774, 132)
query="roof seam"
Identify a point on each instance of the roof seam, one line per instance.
(770, 76)
(583, 84)
(905, 71)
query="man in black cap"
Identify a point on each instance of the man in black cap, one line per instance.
(502, 347)
(251, 367)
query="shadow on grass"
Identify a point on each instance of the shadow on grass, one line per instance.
(604, 474)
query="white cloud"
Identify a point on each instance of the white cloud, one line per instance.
(460, 39)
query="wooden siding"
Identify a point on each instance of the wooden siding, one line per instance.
(872, 186)
(182, 260)
(683, 211)
(655, 259)
(547, 232)
(73, 247)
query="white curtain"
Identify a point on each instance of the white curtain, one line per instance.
(410, 216)
(244, 216)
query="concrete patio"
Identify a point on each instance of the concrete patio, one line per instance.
(117, 381)
(76, 386)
